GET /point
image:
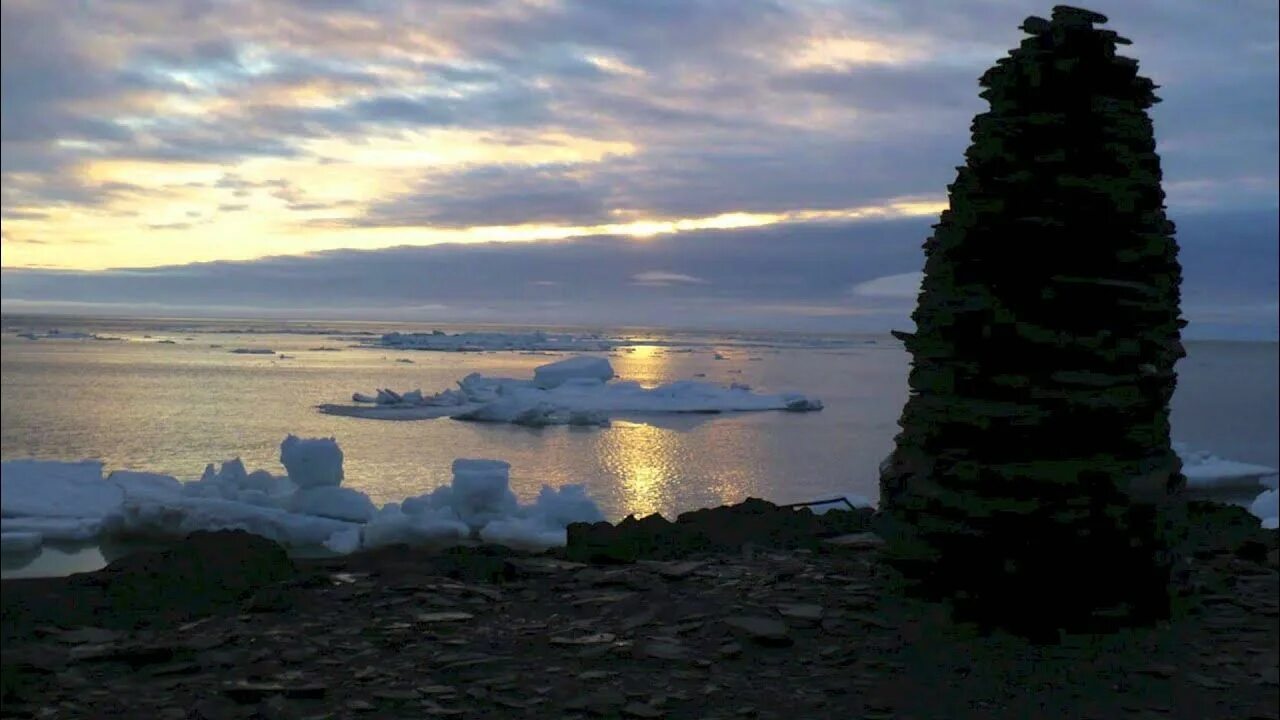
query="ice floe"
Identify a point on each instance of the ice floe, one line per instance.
(575, 391)
(1204, 470)
(56, 334)
(482, 341)
(308, 507)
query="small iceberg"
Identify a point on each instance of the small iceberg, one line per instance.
(575, 391)
(1206, 471)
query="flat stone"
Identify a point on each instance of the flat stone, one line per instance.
(859, 541)
(663, 650)
(396, 695)
(590, 639)
(640, 711)
(245, 692)
(676, 570)
(602, 700)
(869, 620)
(801, 611)
(543, 566)
(438, 617)
(94, 635)
(640, 619)
(765, 631)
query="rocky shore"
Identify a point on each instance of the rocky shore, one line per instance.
(751, 611)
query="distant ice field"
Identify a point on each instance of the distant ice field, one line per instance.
(174, 401)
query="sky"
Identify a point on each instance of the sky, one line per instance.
(711, 163)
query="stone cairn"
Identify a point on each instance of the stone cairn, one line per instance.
(1033, 483)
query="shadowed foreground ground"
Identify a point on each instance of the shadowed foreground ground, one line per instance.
(485, 633)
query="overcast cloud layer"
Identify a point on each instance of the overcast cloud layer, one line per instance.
(155, 134)
(848, 277)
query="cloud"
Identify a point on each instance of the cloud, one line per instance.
(493, 195)
(727, 105)
(903, 285)
(812, 277)
(659, 278)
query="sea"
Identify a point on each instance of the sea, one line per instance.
(170, 396)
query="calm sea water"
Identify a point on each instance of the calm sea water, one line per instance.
(144, 404)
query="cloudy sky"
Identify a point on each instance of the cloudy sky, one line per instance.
(737, 163)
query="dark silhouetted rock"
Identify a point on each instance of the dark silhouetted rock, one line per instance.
(1033, 482)
(728, 527)
(197, 575)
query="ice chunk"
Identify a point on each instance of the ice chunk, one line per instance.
(569, 504)
(333, 502)
(19, 542)
(314, 462)
(1205, 470)
(189, 514)
(1267, 508)
(524, 533)
(391, 525)
(480, 491)
(146, 485)
(319, 513)
(45, 488)
(232, 482)
(582, 367)
(544, 523)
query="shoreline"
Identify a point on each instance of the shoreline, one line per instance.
(765, 632)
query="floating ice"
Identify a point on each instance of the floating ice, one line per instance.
(70, 529)
(309, 508)
(582, 367)
(487, 341)
(56, 334)
(40, 488)
(179, 518)
(333, 502)
(312, 463)
(1205, 470)
(575, 391)
(145, 486)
